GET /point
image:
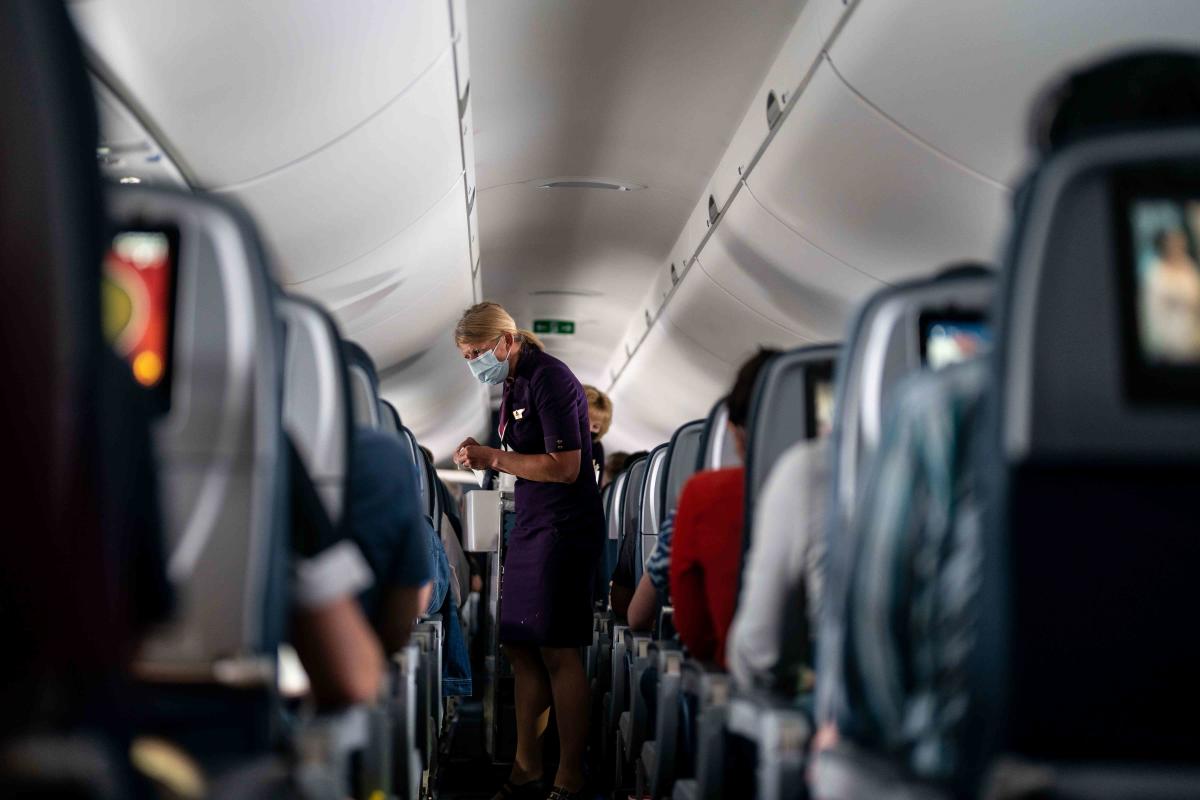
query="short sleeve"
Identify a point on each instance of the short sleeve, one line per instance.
(557, 396)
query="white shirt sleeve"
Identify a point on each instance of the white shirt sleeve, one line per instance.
(337, 571)
(786, 551)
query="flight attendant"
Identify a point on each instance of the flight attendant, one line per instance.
(553, 549)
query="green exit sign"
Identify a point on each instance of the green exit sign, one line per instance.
(560, 326)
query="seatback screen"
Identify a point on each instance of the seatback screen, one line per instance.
(1158, 257)
(1165, 235)
(950, 338)
(820, 391)
(138, 305)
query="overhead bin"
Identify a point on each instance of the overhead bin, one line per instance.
(436, 285)
(829, 13)
(281, 79)
(779, 275)
(417, 259)
(844, 178)
(906, 57)
(797, 56)
(672, 378)
(719, 323)
(352, 197)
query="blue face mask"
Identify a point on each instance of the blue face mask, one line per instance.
(489, 369)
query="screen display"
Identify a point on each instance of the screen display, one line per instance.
(949, 340)
(819, 398)
(1165, 233)
(137, 294)
(823, 407)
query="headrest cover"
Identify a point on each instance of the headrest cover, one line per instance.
(316, 400)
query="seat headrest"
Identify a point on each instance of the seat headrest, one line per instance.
(649, 515)
(389, 417)
(364, 386)
(614, 511)
(717, 446)
(631, 494)
(424, 473)
(895, 332)
(792, 400)
(1098, 332)
(683, 453)
(316, 400)
(214, 359)
(1094, 423)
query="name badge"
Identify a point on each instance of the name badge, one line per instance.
(518, 413)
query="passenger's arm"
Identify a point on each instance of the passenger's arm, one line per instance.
(333, 638)
(692, 619)
(339, 652)
(619, 598)
(643, 605)
(402, 606)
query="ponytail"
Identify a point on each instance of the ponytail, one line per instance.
(529, 337)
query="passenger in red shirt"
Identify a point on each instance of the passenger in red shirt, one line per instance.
(706, 554)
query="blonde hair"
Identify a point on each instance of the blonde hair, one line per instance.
(486, 321)
(599, 408)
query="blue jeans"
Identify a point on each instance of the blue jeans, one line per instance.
(456, 661)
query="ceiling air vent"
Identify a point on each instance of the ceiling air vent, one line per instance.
(580, 182)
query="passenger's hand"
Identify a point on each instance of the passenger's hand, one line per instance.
(476, 456)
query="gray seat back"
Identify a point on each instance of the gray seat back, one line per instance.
(364, 386)
(317, 412)
(717, 447)
(389, 417)
(887, 340)
(783, 411)
(220, 445)
(682, 457)
(614, 508)
(1090, 544)
(648, 512)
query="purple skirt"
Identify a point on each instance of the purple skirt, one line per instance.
(546, 588)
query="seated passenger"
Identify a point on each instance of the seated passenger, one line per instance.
(449, 530)
(784, 575)
(706, 547)
(387, 524)
(599, 419)
(654, 589)
(621, 587)
(340, 653)
(910, 491)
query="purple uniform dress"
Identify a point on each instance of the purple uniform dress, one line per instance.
(553, 549)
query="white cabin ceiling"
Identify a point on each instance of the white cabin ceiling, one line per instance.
(648, 93)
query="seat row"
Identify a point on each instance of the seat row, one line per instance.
(1008, 538)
